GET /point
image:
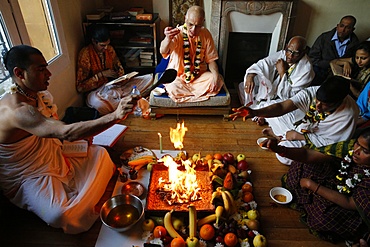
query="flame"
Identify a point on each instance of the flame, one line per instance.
(182, 185)
(177, 135)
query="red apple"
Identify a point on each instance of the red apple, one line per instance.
(242, 165)
(229, 158)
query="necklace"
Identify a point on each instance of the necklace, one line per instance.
(313, 116)
(189, 76)
(347, 182)
(21, 91)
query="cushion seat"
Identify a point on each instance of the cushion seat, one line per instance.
(221, 99)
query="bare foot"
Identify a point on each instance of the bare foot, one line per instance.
(269, 132)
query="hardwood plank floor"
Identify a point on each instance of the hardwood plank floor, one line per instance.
(206, 134)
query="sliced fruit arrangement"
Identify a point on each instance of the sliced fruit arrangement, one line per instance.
(235, 221)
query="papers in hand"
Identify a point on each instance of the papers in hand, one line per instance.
(110, 136)
(338, 70)
(122, 78)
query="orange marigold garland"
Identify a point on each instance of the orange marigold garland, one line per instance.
(189, 75)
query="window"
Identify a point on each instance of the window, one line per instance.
(36, 23)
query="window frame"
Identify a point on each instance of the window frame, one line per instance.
(18, 33)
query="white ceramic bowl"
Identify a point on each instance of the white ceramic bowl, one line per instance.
(158, 91)
(280, 191)
(260, 140)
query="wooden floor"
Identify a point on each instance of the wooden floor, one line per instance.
(206, 134)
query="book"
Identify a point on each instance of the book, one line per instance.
(75, 149)
(110, 136)
(143, 56)
(144, 17)
(122, 78)
(146, 60)
(338, 70)
(146, 64)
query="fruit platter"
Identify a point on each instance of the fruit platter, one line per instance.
(234, 220)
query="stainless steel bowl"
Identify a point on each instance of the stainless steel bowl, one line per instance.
(121, 212)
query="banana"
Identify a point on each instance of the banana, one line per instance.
(169, 226)
(217, 179)
(226, 201)
(206, 220)
(192, 221)
(231, 200)
(216, 194)
(217, 161)
(218, 212)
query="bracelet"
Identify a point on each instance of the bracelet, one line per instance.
(317, 188)
(283, 153)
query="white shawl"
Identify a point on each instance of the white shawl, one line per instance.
(268, 88)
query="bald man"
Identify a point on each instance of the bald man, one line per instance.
(278, 76)
(191, 51)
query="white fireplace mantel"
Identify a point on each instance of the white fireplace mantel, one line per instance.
(275, 17)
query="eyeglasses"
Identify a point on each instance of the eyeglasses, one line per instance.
(293, 53)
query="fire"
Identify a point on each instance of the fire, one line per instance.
(182, 185)
(177, 135)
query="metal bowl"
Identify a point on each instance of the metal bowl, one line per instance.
(281, 195)
(133, 188)
(121, 212)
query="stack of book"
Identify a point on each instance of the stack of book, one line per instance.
(132, 57)
(146, 58)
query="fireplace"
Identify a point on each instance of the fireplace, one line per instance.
(257, 28)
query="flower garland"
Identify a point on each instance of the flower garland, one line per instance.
(347, 183)
(189, 76)
(44, 98)
(313, 116)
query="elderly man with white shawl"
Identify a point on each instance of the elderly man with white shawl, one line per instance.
(314, 117)
(278, 76)
(35, 174)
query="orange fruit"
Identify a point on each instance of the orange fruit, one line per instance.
(247, 196)
(207, 232)
(247, 188)
(178, 242)
(159, 232)
(209, 157)
(217, 156)
(231, 239)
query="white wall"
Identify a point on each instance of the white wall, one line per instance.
(313, 18)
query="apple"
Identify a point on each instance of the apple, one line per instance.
(228, 158)
(177, 223)
(253, 224)
(195, 157)
(259, 241)
(148, 225)
(240, 157)
(192, 242)
(253, 214)
(242, 165)
(251, 234)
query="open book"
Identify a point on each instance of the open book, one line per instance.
(122, 78)
(110, 136)
(338, 70)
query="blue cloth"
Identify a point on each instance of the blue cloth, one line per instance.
(363, 102)
(340, 46)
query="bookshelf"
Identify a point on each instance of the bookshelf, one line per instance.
(136, 41)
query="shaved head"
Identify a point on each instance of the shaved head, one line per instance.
(195, 12)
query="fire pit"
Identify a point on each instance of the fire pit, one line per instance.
(164, 196)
